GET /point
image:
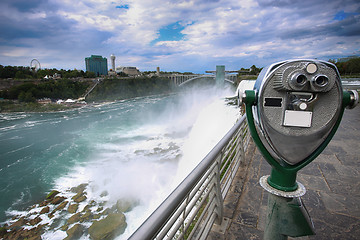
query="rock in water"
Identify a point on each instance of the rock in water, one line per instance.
(61, 206)
(80, 197)
(75, 232)
(57, 200)
(52, 194)
(80, 188)
(87, 216)
(3, 231)
(108, 228)
(124, 205)
(74, 218)
(73, 208)
(45, 210)
(35, 221)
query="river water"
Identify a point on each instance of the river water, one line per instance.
(137, 149)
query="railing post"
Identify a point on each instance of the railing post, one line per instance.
(242, 145)
(184, 215)
(218, 196)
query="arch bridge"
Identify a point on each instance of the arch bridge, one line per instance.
(220, 76)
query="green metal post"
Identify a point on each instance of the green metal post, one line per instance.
(272, 227)
(286, 217)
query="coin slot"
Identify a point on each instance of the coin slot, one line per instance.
(273, 102)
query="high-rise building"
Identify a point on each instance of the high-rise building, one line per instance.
(96, 64)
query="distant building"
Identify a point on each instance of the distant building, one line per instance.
(55, 76)
(131, 71)
(96, 64)
(44, 101)
(112, 57)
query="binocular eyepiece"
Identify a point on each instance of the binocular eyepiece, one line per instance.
(310, 77)
(318, 83)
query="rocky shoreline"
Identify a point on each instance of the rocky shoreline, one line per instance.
(70, 215)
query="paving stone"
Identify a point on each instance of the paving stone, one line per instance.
(345, 185)
(238, 231)
(312, 169)
(313, 182)
(342, 204)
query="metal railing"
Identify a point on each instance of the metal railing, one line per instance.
(351, 83)
(191, 209)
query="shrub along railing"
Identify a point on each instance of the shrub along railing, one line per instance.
(191, 209)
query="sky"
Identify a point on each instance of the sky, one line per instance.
(178, 35)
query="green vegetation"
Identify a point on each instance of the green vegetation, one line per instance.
(20, 72)
(350, 67)
(22, 98)
(253, 70)
(52, 194)
(248, 73)
(55, 89)
(117, 89)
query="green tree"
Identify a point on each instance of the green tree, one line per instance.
(26, 97)
(89, 74)
(354, 66)
(20, 75)
(254, 70)
(351, 66)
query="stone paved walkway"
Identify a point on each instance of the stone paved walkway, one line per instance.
(332, 182)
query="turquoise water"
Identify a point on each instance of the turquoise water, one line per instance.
(139, 148)
(38, 148)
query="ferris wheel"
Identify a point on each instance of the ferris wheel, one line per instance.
(35, 65)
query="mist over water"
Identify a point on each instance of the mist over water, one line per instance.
(138, 149)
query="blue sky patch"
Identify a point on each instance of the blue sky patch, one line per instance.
(341, 15)
(125, 6)
(171, 32)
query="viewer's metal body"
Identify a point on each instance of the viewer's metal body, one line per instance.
(293, 112)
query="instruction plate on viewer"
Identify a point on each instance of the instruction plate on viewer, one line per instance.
(297, 118)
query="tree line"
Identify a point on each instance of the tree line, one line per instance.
(54, 89)
(20, 72)
(108, 89)
(253, 70)
(348, 67)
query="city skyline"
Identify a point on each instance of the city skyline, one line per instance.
(182, 36)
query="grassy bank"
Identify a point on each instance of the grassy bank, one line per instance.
(118, 89)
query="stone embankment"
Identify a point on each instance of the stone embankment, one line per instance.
(74, 215)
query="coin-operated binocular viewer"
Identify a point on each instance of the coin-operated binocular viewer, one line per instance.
(293, 112)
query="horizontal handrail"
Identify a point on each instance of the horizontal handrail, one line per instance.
(197, 201)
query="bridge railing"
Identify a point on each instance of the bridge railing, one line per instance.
(191, 209)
